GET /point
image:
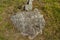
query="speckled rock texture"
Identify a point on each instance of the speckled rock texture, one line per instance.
(29, 5)
(29, 23)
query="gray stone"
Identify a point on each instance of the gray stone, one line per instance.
(29, 6)
(29, 23)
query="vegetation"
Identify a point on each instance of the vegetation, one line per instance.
(49, 8)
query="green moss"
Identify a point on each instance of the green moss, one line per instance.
(1, 38)
(1, 18)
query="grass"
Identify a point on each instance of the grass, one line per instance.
(49, 8)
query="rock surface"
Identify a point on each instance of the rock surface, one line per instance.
(29, 5)
(29, 23)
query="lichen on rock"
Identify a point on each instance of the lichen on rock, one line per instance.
(29, 23)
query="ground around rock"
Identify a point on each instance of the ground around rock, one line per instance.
(49, 8)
